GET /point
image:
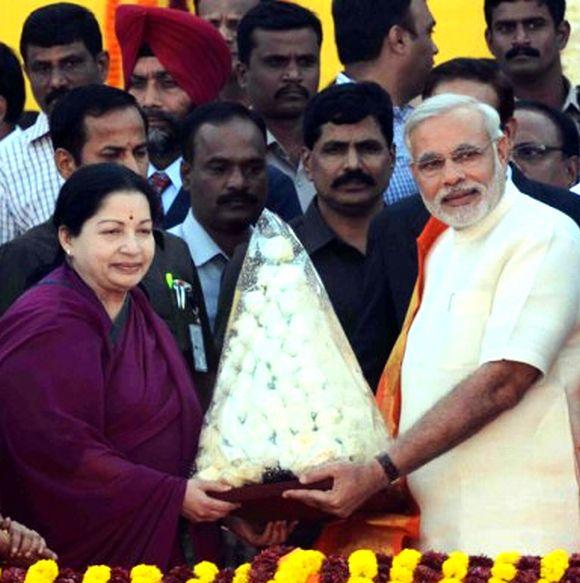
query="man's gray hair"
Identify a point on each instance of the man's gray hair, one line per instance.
(445, 103)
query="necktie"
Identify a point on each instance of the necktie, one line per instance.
(159, 181)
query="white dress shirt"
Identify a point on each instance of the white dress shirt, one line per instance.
(173, 171)
(278, 157)
(29, 180)
(209, 260)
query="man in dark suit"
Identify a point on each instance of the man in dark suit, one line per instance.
(95, 124)
(392, 251)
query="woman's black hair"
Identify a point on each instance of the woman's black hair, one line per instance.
(83, 193)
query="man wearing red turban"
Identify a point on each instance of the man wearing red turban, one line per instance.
(173, 61)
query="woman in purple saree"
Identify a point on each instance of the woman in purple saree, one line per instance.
(99, 419)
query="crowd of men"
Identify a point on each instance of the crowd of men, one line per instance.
(439, 205)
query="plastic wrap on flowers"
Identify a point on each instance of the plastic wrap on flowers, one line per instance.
(290, 395)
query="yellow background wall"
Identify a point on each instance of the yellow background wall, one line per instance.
(459, 31)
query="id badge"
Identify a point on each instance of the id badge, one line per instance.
(196, 337)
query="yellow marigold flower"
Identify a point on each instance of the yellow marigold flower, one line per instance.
(206, 571)
(242, 573)
(43, 571)
(97, 574)
(360, 580)
(508, 557)
(455, 566)
(404, 565)
(363, 564)
(553, 567)
(504, 571)
(400, 574)
(146, 574)
(297, 566)
(408, 558)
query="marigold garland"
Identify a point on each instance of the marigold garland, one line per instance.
(287, 565)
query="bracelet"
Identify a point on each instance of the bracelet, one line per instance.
(390, 469)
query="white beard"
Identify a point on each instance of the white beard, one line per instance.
(467, 215)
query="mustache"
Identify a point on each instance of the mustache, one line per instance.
(157, 114)
(526, 51)
(354, 176)
(293, 88)
(459, 190)
(56, 94)
(237, 196)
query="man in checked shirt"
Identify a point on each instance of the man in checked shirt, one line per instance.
(62, 48)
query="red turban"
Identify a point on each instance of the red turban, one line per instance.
(189, 48)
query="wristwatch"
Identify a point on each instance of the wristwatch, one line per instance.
(390, 469)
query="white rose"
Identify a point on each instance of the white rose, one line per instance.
(310, 379)
(246, 326)
(277, 249)
(254, 302)
(267, 275)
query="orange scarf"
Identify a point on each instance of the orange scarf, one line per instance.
(387, 533)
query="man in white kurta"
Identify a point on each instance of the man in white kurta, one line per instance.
(491, 361)
(505, 288)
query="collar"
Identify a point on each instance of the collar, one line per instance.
(201, 246)
(402, 112)
(173, 171)
(315, 232)
(343, 78)
(572, 100)
(36, 131)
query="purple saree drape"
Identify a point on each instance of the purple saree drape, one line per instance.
(96, 438)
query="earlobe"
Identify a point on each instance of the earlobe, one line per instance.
(64, 238)
(184, 170)
(103, 63)
(503, 149)
(306, 157)
(3, 108)
(241, 71)
(487, 35)
(563, 34)
(65, 163)
(396, 39)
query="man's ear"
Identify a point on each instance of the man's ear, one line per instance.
(65, 163)
(571, 170)
(184, 170)
(242, 74)
(306, 158)
(488, 39)
(103, 62)
(563, 34)
(397, 40)
(504, 149)
(3, 108)
(510, 128)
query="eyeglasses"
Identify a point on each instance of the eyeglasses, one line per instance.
(465, 157)
(533, 152)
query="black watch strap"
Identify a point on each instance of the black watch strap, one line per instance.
(390, 469)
